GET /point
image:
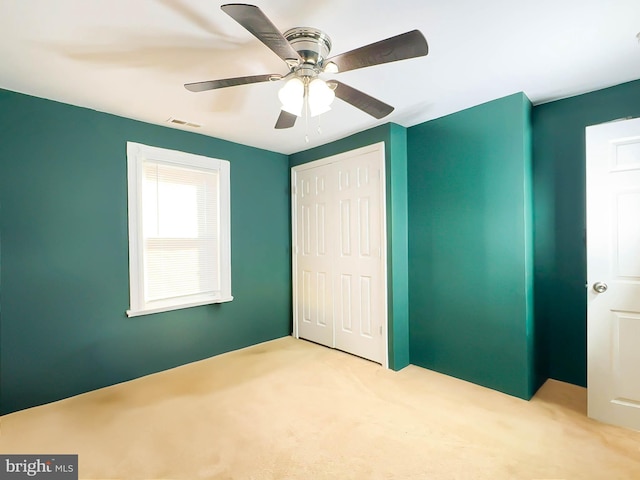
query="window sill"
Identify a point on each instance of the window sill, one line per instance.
(149, 311)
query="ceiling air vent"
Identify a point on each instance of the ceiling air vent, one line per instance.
(184, 123)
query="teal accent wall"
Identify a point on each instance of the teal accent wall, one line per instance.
(64, 250)
(395, 140)
(560, 222)
(471, 246)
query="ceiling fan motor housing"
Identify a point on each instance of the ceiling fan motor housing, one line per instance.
(312, 45)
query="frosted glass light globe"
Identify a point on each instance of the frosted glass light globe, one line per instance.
(320, 97)
(292, 96)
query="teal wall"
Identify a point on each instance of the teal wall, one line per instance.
(560, 249)
(470, 245)
(64, 250)
(395, 140)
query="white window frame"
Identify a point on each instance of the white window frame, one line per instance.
(136, 154)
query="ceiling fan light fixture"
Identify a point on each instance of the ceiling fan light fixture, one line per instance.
(291, 96)
(320, 97)
(330, 67)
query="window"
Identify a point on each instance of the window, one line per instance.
(179, 239)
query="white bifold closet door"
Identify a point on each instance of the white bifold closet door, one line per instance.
(339, 261)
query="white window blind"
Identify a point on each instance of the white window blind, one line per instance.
(178, 230)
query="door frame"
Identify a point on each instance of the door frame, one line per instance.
(380, 149)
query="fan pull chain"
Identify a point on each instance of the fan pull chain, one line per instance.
(319, 127)
(306, 112)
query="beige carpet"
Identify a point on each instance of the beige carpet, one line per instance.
(289, 409)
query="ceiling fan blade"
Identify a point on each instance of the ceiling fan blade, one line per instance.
(401, 47)
(256, 22)
(361, 100)
(229, 82)
(285, 120)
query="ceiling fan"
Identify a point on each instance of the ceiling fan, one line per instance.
(305, 52)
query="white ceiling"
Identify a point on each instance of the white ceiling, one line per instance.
(132, 57)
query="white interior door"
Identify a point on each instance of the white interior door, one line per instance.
(339, 261)
(613, 266)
